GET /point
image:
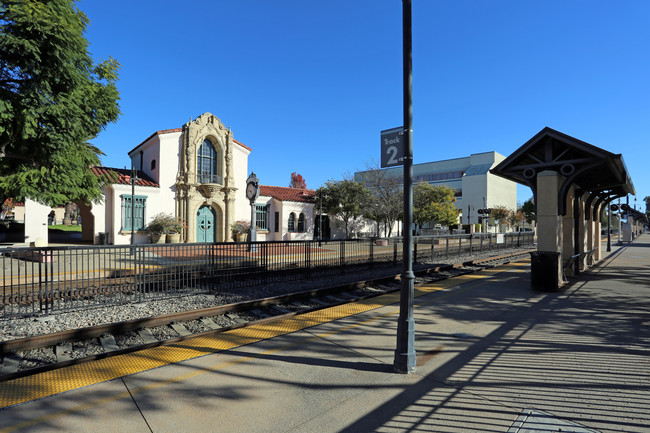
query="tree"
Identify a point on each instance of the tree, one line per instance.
(297, 181)
(434, 204)
(345, 199)
(387, 204)
(53, 99)
(528, 210)
(515, 218)
(501, 213)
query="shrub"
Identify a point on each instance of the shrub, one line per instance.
(164, 224)
(240, 227)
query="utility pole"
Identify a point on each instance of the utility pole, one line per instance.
(405, 353)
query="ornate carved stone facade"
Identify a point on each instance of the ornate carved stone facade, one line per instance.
(193, 191)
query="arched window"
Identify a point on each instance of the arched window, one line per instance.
(207, 164)
(153, 164)
(301, 223)
(292, 223)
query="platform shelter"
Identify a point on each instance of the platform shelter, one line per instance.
(573, 183)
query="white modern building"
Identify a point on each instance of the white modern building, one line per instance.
(476, 188)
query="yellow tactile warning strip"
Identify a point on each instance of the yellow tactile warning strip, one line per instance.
(53, 382)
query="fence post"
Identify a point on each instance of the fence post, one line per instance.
(307, 259)
(394, 253)
(447, 247)
(415, 249)
(342, 255)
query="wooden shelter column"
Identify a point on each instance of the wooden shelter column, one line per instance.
(549, 228)
(568, 228)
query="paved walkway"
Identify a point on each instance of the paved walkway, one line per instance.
(493, 356)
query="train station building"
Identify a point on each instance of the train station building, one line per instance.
(198, 174)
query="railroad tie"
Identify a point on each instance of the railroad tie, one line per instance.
(314, 300)
(10, 363)
(280, 309)
(209, 323)
(234, 317)
(260, 313)
(108, 343)
(63, 352)
(182, 330)
(147, 336)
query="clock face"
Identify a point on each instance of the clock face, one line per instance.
(250, 191)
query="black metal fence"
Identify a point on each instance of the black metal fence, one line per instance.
(55, 279)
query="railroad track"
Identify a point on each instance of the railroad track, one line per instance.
(31, 355)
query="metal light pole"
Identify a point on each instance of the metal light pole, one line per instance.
(609, 226)
(620, 241)
(134, 178)
(405, 352)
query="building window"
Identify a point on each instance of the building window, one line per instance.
(153, 164)
(301, 223)
(277, 222)
(262, 216)
(292, 223)
(138, 212)
(207, 164)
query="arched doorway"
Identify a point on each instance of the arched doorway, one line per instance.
(205, 224)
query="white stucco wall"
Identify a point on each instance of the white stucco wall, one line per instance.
(240, 173)
(36, 222)
(154, 205)
(166, 172)
(164, 148)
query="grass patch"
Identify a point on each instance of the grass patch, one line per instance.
(63, 228)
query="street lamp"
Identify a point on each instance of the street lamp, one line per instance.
(134, 179)
(404, 360)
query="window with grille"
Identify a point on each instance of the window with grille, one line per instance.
(262, 216)
(138, 212)
(301, 223)
(291, 226)
(207, 164)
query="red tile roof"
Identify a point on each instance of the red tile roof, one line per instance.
(122, 176)
(288, 194)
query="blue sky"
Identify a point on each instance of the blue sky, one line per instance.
(309, 85)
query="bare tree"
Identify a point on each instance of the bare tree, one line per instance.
(387, 204)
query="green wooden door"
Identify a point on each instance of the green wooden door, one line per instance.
(205, 221)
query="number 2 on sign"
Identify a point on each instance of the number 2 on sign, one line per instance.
(391, 151)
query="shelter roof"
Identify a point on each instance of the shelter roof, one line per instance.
(122, 176)
(590, 168)
(288, 194)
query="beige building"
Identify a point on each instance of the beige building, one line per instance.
(197, 173)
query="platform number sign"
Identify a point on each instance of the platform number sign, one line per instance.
(392, 147)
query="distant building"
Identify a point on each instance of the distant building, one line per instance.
(476, 188)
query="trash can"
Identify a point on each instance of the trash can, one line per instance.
(545, 270)
(103, 238)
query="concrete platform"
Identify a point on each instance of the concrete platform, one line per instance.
(493, 356)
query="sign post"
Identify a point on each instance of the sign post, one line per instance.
(404, 361)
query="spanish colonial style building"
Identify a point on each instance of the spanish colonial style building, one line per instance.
(196, 173)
